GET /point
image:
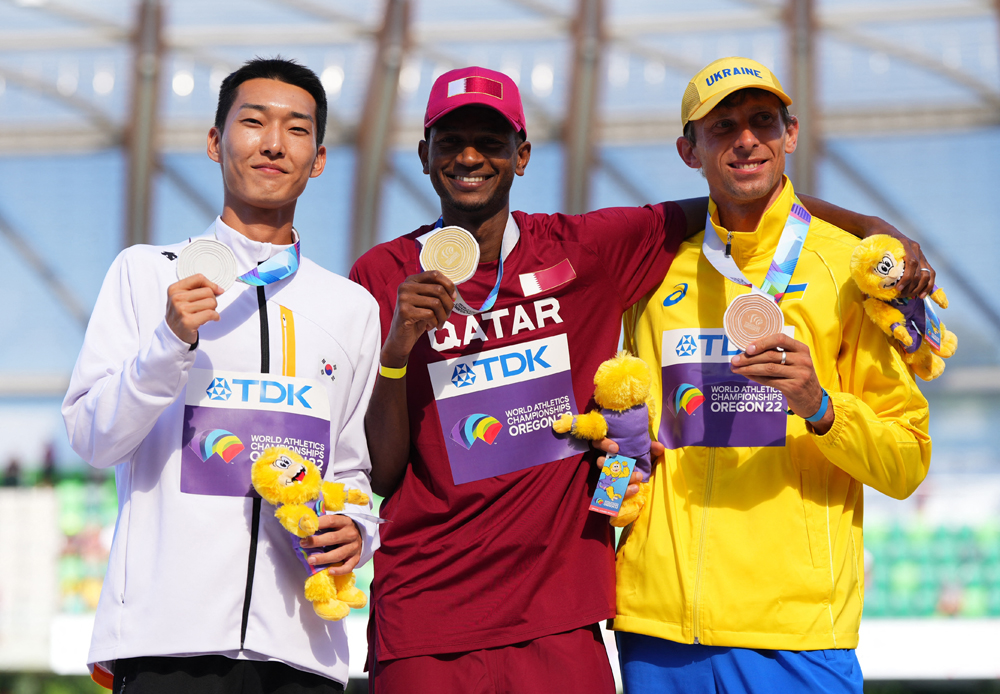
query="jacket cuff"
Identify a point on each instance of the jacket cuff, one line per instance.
(831, 439)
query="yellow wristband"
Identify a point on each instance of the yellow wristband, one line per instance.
(389, 372)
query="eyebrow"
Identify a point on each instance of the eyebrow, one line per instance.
(265, 109)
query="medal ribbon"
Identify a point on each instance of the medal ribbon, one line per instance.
(511, 235)
(786, 255)
(274, 269)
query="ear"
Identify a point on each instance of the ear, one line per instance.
(688, 153)
(793, 134)
(422, 153)
(319, 163)
(215, 145)
(523, 155)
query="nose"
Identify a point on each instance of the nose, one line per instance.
(470, 157)
(272, 141)
(746, 138)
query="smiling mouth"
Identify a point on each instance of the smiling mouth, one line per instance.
(300, 475)
(473, 180)
(269, 168)
(745, 166)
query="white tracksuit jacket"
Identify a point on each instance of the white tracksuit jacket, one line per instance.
(195, 573)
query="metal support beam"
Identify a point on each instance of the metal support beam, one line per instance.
(374, 130)
(801, 22)
(63, 294)
(578, 139)
(141, 148)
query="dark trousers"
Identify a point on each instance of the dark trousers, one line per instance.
(215, 674)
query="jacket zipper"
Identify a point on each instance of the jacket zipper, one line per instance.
(265, 366)
(709, 479)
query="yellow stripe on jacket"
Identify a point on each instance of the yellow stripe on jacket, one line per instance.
(760, 546)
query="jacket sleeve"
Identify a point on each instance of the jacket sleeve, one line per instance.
(879, 434)
(123, 380)
(351, 462)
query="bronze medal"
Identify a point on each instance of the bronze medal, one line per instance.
(750, 317)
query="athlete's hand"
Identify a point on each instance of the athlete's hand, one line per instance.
(611, 448)
(423, 302)
(796, 378)
(918, 275)
(342, 536)
(191, 303)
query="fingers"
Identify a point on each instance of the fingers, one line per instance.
(191, 302)
(606, 445)
(633, 485)
(774, 342)
(918, 276)
(657, 449)
(343, 539)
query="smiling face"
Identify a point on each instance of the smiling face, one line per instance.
(890, 269)
(472, 155)
(267, 147)
(289, 471)
(741, 146)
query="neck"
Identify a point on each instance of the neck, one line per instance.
(487, 228)
(259, 224)
(745, 215)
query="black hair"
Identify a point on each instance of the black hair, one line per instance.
(282, 70)
(735, 99)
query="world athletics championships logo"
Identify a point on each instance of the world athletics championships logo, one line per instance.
(221, 442)
(686, 398)
(686, 346)
(476, 426)
(463, 375)
(219, 390)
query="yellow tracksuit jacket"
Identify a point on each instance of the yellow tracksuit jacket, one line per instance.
(752, 535)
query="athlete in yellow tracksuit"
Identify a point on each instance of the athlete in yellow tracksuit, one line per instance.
(753, 538)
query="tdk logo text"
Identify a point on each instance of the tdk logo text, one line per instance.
(270, 392)
(501, 366)
(687, 346)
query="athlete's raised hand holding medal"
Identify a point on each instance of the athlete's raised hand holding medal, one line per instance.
(191, 302)
(786, 365)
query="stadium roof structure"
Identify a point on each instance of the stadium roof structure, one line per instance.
(139, 78)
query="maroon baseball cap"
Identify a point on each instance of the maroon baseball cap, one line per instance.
(475, 86)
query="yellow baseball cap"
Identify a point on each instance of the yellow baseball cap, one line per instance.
(720, 79)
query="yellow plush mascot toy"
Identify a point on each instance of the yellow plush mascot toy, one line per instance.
(621, 390)
(876, 266)
(285, 479)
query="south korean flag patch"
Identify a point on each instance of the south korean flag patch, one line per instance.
(328, 369)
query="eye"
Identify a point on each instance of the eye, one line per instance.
(282, 463)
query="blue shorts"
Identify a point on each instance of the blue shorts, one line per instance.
(651, 666)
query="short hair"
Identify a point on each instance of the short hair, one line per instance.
(735, 99)
(282, 70)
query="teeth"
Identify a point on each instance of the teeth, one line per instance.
(746, 166)
(471, 179)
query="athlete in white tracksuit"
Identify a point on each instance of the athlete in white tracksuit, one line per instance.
(197, 566)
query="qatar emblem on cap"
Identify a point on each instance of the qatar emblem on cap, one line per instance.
(475, 85)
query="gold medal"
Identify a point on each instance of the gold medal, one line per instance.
(208, 257)
(750, 317)
(453, 252)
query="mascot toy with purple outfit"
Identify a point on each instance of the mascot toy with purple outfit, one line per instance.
(292, 484)
(877, 264)
(622, 391)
